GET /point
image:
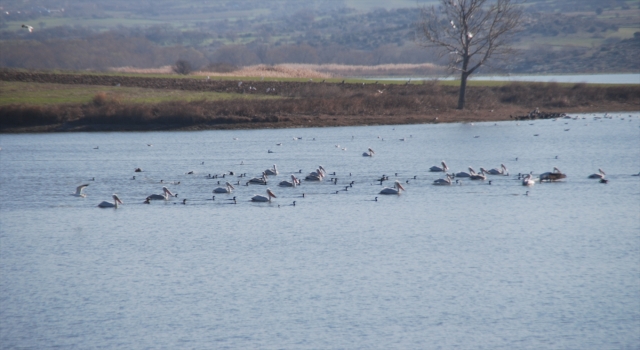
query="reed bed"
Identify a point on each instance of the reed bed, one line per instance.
(309, 71)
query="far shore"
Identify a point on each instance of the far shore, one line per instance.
(246, 104)
(303, 121)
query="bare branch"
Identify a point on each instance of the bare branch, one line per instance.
(470, 32)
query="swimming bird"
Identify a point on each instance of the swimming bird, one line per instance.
(465, 174)
(599, 175)
(227, 189)
(261, 198)
(436, 168)
(443, 182)
(273, 171)
(258, 180)
(116, 201)
(528, 180)
(552, 176)
(293, 183)
(165, 196)
(369, 154)
(317, 175)
(397, 187)
(502, 171)
(80, 191)
(480, 176)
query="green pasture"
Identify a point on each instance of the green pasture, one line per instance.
(51, 94)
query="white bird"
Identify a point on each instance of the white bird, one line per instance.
(258, 180)
(261, 198)
(599, 175)
(317, 175)
(465, 174)
(439, 169)
(369, 154)
(502, 171)
(80, 191)
(480, 176)
(273, 171)
(115, 203)
(443, 182)
(397, 187)
(528, 180)
(227, 189)
(293, 183)
(552, 176)
(453, 25)
(164, 196)
(29, 28)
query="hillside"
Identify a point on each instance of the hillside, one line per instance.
(567, 36)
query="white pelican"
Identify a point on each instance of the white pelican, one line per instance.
(369, 154)
(164, 196)
(465, 174)
(261, 198)
(443, 182)
(528, 180)
(480, 176)
(502, 171)
(273, 171)
(439, 169)
(397, 187)
(599, 175)
(293, 183)
(29, 28)
(80, 191)
(258, 180)
(317, 175)
(552, 176)
(227, 189)
(115, 203)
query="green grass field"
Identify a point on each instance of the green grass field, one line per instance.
(51, 94)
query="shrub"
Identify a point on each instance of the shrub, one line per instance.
(182, 67)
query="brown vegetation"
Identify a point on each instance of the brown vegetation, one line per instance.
(302, 104)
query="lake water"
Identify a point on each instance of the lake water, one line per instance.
(622, 78)
(476, 265)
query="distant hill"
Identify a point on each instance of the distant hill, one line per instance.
(568, 36)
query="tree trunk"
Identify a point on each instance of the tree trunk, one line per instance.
(463, 89)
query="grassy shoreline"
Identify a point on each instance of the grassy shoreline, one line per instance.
(62, 102)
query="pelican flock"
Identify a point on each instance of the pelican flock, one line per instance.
(346, 184)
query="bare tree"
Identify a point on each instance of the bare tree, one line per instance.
(470, 33)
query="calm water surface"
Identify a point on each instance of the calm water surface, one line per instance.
(467, 266)
(622, 78)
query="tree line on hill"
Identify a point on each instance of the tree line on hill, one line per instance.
(323, 35)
